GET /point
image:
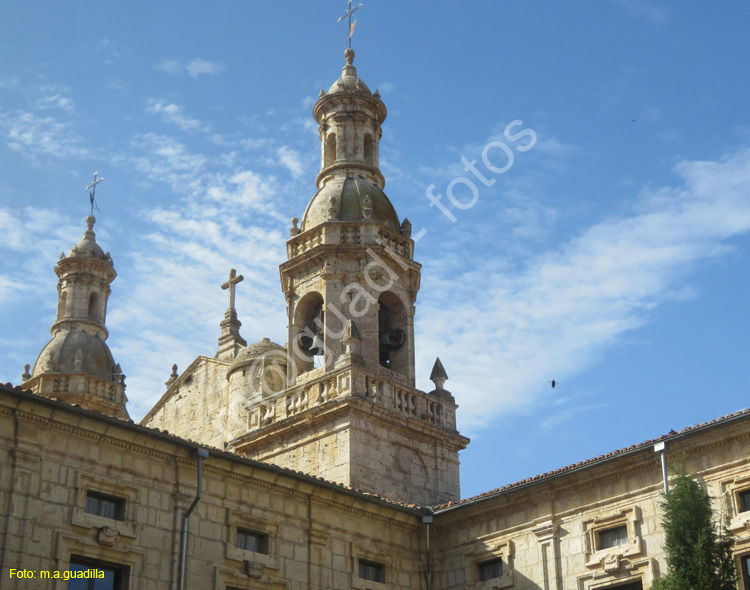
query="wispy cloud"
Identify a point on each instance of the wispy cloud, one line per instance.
(175, 114)
(653, 14)
(33, 136)
(554, 318)
(291, 160)
(54, 99)
(194, 68)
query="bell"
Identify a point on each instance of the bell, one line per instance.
(316, 348)
(385, 341)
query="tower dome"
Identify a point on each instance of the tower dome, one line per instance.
(76, 365)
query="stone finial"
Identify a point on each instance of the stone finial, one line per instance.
(322, 93)
(50, 365)
(438, 375)
(78, 360)
(294, 230)
(376, 94)
(26, 375)
(349, 56)
(172, 377)
(367, 208)
(406, 228)
(90, 221)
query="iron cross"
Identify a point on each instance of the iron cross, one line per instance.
(230, 284)
(348, 15)
(92, 188)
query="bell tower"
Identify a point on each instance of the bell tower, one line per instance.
(76, 365)
(350, 412)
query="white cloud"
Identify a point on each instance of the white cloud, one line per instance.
(516, 331)
(169, 66)
(175, 114)
(648, 10)
(33, 136)
(55, 101)
(291, 160)
(386, 88)
(199, 67)
(194, 69)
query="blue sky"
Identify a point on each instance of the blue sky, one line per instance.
(612, 256)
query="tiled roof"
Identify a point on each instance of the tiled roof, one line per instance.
(589, 462)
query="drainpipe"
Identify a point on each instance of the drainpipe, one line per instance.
(428, 519)
(661, 449)
(201, 454)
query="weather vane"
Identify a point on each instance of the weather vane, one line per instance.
(353, 24)
(92, 188)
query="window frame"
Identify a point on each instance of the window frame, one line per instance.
(368, 565)
(745, 570)
(121, 571)
(743, 501)
(482, 568)
(119, 504)
(600, 546)
(262, 540)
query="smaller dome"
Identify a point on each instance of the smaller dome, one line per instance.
(349, 80)
(272, 352)
(344, 197)
(87, 247)
(76, 351)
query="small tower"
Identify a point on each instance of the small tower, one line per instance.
(350, 412)
(76, 365)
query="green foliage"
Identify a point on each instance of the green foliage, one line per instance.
(698, 558)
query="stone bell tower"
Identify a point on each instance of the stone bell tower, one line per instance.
(76, 365)
(350, 412)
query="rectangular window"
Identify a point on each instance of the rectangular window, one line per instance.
(101, 576)
(252, 541)
(746, 571)
(613, 537)
(632, 586)
(371, 570)
(106, 506)
(745, 501)
(490, 570)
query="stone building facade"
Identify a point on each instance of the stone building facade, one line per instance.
(316, 464)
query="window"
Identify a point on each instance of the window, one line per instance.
(370, 570)
(490, 570)
(106, 506)
(632, 586)
(745, 501)
(107, 576)
(252, 541)
(613, 537)
(746, 571)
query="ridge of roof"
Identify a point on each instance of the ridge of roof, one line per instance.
(672, 435)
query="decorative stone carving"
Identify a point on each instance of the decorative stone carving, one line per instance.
(108, 537)
(253, 569)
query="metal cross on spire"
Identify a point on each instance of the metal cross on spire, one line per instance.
(348, 15)
(92, 188)
(234, 278)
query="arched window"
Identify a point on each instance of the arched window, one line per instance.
(93, 306)
(369, 150)
(62, 305)
(330, 149)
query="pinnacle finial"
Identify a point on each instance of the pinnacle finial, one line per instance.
(438, 375)
(90, 221)
(26, 375)
(349, 56)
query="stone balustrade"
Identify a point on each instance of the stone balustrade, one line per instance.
(316, 388)
(349, 233)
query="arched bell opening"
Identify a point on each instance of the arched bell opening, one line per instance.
(369, 151)
(308, 342)
(330, 155)
(393, 333)
(93, 311)
(62, 305)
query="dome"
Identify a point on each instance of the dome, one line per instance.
(349, 80)
(274, 353)
(349, 195)
(87, 247)
(62, 352)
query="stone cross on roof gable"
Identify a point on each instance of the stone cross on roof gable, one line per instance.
(234, 278)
